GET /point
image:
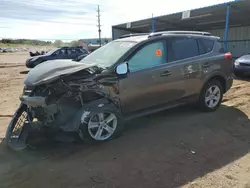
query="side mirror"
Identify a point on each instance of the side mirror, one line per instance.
(122, 69)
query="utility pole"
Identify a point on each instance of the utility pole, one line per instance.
(153, 23)
(99, 24)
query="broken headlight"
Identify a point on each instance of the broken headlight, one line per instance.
(27, 90)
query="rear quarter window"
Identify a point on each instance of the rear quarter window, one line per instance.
(205, 45)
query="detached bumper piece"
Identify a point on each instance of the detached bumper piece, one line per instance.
(34, 101)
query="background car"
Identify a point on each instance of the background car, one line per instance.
(58, 53)
(242, 66)
(79, 58)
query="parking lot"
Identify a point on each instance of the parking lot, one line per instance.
(176, 148)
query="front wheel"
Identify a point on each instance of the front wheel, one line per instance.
(211, 96)
(18, 129)
(102, 126)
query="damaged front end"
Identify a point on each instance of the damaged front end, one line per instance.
(60, 105)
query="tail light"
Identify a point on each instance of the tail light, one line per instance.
(228, 56)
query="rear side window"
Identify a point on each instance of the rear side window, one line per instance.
(219, 47)
(205, 45)
(182, 48)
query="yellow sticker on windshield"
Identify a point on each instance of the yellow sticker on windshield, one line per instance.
(158, 52)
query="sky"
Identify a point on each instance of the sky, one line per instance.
(75, 19)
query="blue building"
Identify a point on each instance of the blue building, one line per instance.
(229, 21)
(95, 41)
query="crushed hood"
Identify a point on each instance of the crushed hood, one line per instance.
(51, 70)
(36, 57)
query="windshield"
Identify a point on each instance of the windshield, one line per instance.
(108, 54)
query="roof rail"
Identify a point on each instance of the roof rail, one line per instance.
(133, 35)
(179, 32)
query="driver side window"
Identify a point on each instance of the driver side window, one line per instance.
(149, 56)
(56, 53)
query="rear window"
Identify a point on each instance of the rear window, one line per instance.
(205, 45)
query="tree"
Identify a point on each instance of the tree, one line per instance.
(74, 43)
(58, 43)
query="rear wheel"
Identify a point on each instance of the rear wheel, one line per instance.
(211, 96)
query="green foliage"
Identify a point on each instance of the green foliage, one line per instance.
(24, 41)
(74, 43)
(58, 43)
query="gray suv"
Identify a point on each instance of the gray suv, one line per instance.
(130, 77)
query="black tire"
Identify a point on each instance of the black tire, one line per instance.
(19, 143)
(202, 101)
(85, 135)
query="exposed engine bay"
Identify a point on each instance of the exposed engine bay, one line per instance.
(55, 104)
(67, 97)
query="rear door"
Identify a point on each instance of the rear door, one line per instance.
(184, 53)
(73, 53)
(151, 81)
(76, 52)
(69, 54)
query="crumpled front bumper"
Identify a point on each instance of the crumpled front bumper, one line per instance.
(34, 101)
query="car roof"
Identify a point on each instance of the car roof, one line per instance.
(133, 39)
(66, 47)
(138, 37)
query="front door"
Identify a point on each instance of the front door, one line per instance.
(60, 54)
(151, 81)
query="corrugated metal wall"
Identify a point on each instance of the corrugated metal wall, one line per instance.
(119, 32)
(238, 39)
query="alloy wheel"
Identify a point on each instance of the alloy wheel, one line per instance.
(212, 96)
(102, 126)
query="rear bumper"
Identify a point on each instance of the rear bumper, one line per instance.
(244, 70)
(229, 83)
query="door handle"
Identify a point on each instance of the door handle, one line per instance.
(206, 65)
(166, 73)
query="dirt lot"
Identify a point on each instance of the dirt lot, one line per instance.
(175, 148)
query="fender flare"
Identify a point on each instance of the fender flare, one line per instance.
(87, 111)
(212, 76)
